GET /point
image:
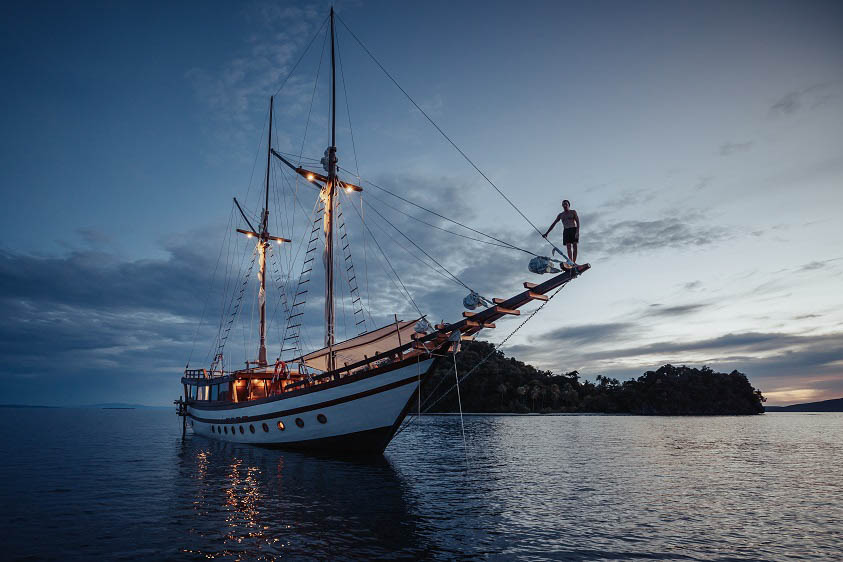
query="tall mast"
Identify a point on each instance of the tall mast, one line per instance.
(263, 245)
(330, 190)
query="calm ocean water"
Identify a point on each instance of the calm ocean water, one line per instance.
(121, 484)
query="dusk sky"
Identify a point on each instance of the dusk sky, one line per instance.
(700, 142)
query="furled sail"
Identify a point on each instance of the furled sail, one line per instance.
(369, 344)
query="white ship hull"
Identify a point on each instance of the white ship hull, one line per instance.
(357, 414)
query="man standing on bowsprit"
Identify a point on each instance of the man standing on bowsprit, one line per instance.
(571, 233)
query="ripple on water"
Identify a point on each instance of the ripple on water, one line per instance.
(82, 484)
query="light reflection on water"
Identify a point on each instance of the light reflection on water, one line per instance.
(121, 484)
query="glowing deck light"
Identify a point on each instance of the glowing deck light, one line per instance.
(248, 235)
(310, 177)
(348, 190)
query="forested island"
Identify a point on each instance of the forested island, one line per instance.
(506, 385)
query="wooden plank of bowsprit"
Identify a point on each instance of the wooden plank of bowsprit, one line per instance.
(467, 314)
(502, 310)
(537, 296)
(490, 314)
(476, 324)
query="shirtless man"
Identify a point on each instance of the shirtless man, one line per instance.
(571, 233)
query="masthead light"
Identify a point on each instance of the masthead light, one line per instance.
(310, 177)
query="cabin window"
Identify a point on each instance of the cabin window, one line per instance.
(215, 392)
(321, 418)
(251, 428)
(299, 422)
(213, 430)
(280, 425)
(265, 428)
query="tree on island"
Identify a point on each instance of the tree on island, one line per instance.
(504, 384)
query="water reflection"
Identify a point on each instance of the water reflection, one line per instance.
(75, 485)
(261, 504)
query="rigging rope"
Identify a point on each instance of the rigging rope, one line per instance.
(315, 35)
(409, 296)
(210, 286)
(385, 190)
(432, 122)
(397, 210)
(409, 251)
(495, 349)
(347, 110)
(410, 240)
(459, 401)
(313, 95)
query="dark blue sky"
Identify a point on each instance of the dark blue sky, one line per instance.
(700, 142)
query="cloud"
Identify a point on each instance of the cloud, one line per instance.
(628, 198)
(704, 182)
(810, 97)
(787, 104)
(813, 266)
(236, 92)
(638, 236)
(819, 264)
(586, 334)
(729, 148)
(672, 311)
(773, 360)
(94, 238)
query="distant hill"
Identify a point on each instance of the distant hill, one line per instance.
(505, 385)
(833, 405)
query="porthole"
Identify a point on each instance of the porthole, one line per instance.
(233, 430)
(251, 428)
(299, 422)
(213, 429)
(225, 429)
(265, 428)
(321, 418)
(219, 429)
(241, 429)
(280, 425)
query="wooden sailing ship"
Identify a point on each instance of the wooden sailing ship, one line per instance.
(348, 396)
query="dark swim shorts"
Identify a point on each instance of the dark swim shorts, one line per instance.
(571, 235)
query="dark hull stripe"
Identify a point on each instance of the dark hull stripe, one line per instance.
(293, 411)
